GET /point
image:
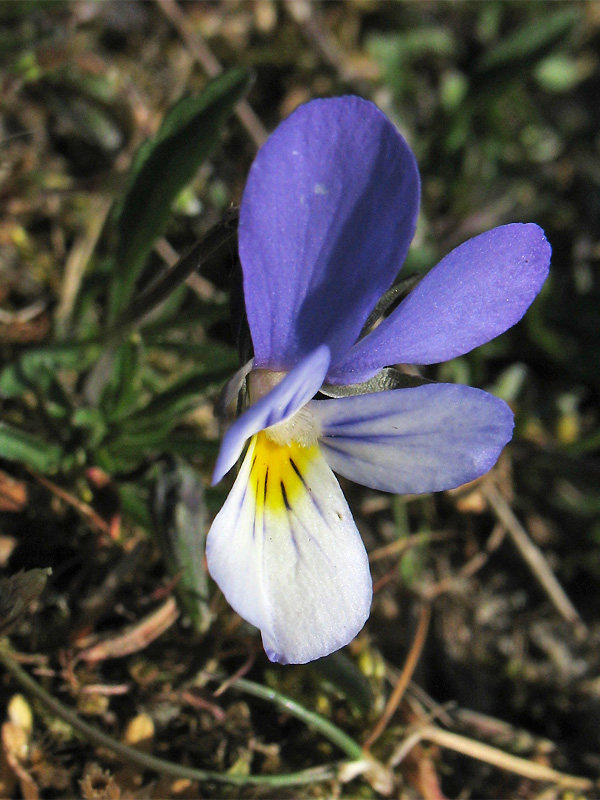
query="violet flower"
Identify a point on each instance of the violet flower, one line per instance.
(327, 216)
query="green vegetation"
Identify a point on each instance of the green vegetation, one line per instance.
(123, 155)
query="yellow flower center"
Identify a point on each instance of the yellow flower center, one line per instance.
(277, 473)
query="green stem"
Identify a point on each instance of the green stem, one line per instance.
(352, 749)
(160, 290)
(151, 297)
(129, 754)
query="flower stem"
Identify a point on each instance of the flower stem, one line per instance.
(351, 748)
(131, 755)
(160, 290)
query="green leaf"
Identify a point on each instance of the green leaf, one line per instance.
(188, 443)
(150, 428)
(134, 504)
(17, 593)
(528, 44)
(121, 391)
(162, 169)
(396, 53)
(178, 399)
(35, 368)
(181, 522)
(560, 73)
(17, 445)
(134, 445)
(91, 422)
(129, 450)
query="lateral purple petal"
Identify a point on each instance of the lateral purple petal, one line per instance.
(409, 441)
(475, 293)
(327, 216)
(294, 391)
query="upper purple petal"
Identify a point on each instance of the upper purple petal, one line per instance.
(475, 293)
(294, 391)
(327, 216)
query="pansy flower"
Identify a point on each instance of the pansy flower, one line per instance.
(326, 220)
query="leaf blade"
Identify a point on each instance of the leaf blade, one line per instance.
(163, 168)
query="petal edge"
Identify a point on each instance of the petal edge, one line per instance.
(327, 216)
(410, 441)
(286, 553)
(294, 391)
(476, 292)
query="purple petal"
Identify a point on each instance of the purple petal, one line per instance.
(327, 216)
(410, 441)
(475, 293)
(294, 391)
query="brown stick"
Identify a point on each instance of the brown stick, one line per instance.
(534, 558)
(83, 508)
(211, 66)
(491, 755)
(404, 679)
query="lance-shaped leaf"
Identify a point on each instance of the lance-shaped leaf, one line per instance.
(36, 368)
(162, 169)
(17, 593)
(149, 425)
(180, 523)
(17, 445)
(522, 49)
(122, 388)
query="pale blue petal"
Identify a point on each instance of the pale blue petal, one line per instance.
(294, 391)
(326, 219)
(409, 441)
(475, 293)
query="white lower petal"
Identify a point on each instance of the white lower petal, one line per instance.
(287, 555)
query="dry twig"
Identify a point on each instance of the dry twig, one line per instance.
(84, 509)
(211, 66)
(137, 637)
(404, 679)
(534, 559)
(490, 755)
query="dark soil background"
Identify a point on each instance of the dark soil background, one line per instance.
(496, 586)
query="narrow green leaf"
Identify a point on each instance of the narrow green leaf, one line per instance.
(134, 504)
(178, 399)
(135, 445)
(17, 445)
(129, 450)
(149, 429)
(17, 593)
(121, 391)
(36, 367)
(181, 523)
(529, 43)
(162, 169)
(187, 443)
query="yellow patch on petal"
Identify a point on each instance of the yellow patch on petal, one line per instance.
(277, 474)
